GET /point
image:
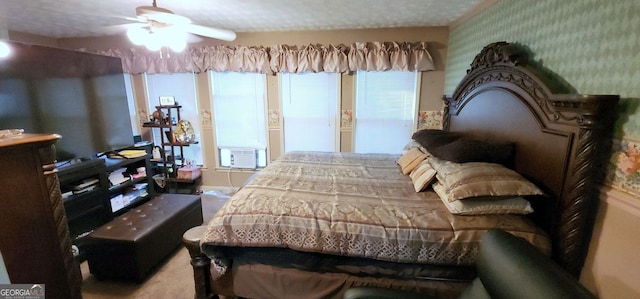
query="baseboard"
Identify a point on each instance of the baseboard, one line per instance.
(622, 200)
(222, 189)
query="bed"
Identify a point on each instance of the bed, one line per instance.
(313, 224)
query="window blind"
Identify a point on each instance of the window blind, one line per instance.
(385, 111)
(309, 110)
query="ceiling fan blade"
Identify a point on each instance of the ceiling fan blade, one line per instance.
(161, 15)
(216, 33)
(192, 38)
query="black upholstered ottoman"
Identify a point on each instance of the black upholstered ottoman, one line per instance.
(131, 245)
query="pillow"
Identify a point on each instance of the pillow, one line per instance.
(411, 159)
(476, 179)
(431, 139)
(422, 176)
(467, 150)
(438, 163)
(484, 206)
(413, 144)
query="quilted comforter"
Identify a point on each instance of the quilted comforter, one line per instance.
(348, 204)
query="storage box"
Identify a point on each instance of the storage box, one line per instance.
(189, 173)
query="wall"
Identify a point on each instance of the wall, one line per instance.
(594, 46)
(33, 39)
(432, 83)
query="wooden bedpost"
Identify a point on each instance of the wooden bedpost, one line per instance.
(446, 118)
(199, 261)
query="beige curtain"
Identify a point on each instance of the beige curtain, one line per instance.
(311, 58)
(235, 59)
(141, 60)
(367, 56)
(390, 56)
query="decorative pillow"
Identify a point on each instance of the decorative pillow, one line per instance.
(438, 163)
(467, 150)
(422, 176)
(431, 139)
(484, 206)
(411, 159)
(478, 179)
(414, 144)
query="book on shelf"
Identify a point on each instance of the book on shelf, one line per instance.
(86, 189)
(86, 183)
(118, 177)
(117, 203)
(130, 154)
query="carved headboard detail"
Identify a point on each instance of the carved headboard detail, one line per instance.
(562, 139)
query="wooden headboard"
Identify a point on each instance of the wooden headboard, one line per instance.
(562, 139)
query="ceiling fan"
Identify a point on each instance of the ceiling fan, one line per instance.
(158, 27)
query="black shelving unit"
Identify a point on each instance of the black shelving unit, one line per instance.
(173, 157)
(87, 192)
(128, 187)
(86, 208)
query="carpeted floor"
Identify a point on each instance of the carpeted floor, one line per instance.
(172, 279)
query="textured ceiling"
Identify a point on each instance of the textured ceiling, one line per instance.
(83, 18)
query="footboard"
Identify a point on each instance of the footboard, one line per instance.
(199, 261)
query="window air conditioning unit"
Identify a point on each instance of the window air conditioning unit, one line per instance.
(239, 158)
(243, 158)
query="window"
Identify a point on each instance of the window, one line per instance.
(132, 106)
(309, 111)
(385, 110)
(182, 87)
(239, 115)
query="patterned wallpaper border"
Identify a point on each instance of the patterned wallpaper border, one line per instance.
(623, 171)
(273, 118)
(430, 120)
(346, 118)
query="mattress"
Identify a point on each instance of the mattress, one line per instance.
(355, 206)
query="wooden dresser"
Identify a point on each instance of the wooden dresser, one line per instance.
(34, 237)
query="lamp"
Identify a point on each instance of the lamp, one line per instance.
(5, 50)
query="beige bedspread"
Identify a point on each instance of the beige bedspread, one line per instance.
(351, 204)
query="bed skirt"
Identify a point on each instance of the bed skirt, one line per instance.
(266, 281)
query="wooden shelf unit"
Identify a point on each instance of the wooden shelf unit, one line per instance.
(173, 157)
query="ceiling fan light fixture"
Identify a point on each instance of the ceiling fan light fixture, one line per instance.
(138, 36)
(160, 27)
(176, 39)
(154, 43)
(178, 46)
(154, 40)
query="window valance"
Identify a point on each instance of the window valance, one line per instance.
(368, 56)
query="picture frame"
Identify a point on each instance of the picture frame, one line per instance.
(167, 101)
